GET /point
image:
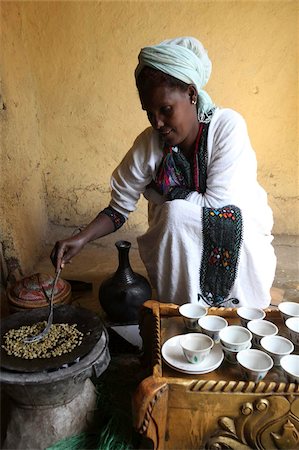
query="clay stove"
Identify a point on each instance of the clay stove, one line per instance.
(52, 400)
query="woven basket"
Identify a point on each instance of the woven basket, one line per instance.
(34, 291)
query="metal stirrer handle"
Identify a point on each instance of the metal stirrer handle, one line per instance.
(50, 317)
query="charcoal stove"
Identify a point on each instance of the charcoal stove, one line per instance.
(52, 399)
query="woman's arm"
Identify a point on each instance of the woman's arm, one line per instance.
(66, 249)
(128, 181)
(135, 173)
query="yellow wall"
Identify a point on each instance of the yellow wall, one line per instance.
(23, 214)
(72, 110)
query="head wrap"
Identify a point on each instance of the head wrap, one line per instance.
(186, 59)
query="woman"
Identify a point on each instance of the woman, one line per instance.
(209, 235)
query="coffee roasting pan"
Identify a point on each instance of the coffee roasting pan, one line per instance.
(88, 322)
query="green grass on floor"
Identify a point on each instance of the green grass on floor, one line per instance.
(106, 439)
(112, 427)
(111, 431)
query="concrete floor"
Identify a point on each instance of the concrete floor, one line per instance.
(287, 271)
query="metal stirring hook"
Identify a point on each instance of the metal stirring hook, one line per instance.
(40, 336)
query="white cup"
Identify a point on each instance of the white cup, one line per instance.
(235, 338)
(277, 347)
(231, 355)
(191, 312)
(211, 325)
(292, 324)
(246, 314)
(288, 309)
(261, 328)
(290, 365)
(254, 364)
(196, 347)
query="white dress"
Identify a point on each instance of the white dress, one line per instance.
(172, 247)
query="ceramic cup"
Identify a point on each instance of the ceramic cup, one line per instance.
(231, 355)
(261, 328)
(196, 347)
(246, 314)
(288, 309)
(254, 364)
(235, 338)
(191, 313)
(212, 325)
(277, 347)
(292, 325)
(290, 366)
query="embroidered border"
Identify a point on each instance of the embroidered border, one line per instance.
(201, 161)
(222, 239)
(117, 218)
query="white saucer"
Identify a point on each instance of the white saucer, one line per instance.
(172, 354)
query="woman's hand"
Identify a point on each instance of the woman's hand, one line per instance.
(65, 250)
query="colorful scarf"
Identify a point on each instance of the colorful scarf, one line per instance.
(176, 171)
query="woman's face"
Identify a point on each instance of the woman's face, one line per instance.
(172, 114)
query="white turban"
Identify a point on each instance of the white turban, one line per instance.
(184, 58)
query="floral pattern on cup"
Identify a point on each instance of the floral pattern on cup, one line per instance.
(252, 376)
(196, 347)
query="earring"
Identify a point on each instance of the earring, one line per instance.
(193, 102)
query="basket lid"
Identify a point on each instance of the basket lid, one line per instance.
(37, 287)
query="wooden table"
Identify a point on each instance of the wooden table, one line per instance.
(217, 410)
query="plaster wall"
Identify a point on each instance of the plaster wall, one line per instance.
(69, 67)
(23, 214)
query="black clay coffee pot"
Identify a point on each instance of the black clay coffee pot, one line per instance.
(122, 294)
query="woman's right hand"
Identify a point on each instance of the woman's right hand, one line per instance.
(65, 250)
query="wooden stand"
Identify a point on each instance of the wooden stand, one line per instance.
(217, 410)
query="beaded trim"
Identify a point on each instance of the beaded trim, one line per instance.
(117, 218)
(200, 163)
(222, 239)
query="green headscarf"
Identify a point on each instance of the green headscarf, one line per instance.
(186, 59)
